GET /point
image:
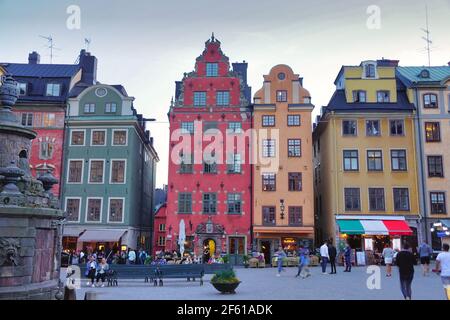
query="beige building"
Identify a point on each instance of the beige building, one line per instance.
(283, 209)
(429, 89)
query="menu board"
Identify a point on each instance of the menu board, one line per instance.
(361, 258)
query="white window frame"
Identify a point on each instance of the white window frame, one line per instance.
(123, 209)
(92, 135)
(77, 145)
(79, 209)
(124, 173)
(87, 209)
(89, 172)
(52, 84)
(112, 138)
(68, 171)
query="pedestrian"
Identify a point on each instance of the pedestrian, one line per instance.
(91, 269)
(131, 256)
(82, 260)
(405, 263)
(332, 253)
(388, 255)
(425, 253)
(324, 256)
(280, 255)
(303, 263)
(102, 268)
(348, 258)
(443, 266)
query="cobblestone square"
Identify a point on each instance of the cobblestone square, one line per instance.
(263, 284)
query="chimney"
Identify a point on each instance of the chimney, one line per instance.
(387, 63)
(34, 58)
(88, 66)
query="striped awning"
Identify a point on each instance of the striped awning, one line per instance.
(374, 226)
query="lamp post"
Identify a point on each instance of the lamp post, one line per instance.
(282, 207)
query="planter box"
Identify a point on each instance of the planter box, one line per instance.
(226, 287)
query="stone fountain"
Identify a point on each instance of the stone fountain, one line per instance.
(30, 218)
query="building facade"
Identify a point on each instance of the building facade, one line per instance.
(283, 200)
(429, 89)
(109, 171)
(159, 229)
(43, 92)
(209, 193)
(366, 185)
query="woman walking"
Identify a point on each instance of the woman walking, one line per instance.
(102, 268)
(303, 265)
(388, 255)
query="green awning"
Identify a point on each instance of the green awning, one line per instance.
(350, 226)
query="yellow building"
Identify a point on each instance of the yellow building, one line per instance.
(365, 163)
(283, 207)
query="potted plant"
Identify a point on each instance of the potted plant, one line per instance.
(245, 260)
(225, 281)
(226, 258)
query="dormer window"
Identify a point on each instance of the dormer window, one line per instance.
(22, 86)
(424, 74)
(53, 90)
(359, 96)
(369, 70)
(212, 69)
(281, 96)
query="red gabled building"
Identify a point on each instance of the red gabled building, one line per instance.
(159, 230)
(211, 195)
(41, 106)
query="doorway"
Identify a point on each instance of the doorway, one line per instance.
(209, 249)
(237, 250)
(265, 249)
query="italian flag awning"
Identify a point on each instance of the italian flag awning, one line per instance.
(370, 226)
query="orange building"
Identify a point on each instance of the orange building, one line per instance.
(283, 173)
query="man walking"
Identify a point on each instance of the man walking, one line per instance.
(303, 263)
(332, 253)
(405, 263)
(324, 256)
(443, 266)
(425, 253)
(348, 258)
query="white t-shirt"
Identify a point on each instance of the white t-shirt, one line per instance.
(444, 259)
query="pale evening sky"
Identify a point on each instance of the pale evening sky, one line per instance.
(146, 45)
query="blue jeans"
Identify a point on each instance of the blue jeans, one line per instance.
(280, 265)
(405, 286)
(324, 264)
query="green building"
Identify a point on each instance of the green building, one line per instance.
(109, 171)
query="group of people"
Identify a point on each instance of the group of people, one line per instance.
(328, 253)
(129, 256)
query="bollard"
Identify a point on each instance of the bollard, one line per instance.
(90, 295)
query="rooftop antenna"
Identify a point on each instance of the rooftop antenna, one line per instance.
(50, 46)
(427, 38)
(87, 42)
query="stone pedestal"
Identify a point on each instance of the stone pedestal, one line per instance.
(29, 253)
